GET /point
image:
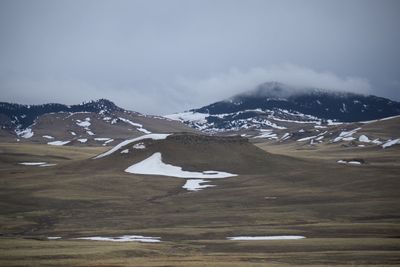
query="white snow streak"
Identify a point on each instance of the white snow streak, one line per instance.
(306, 138)
(32, 163)
(138, 125)
(124, 238)
(127, 142)
(58, 143)
(353, 162)
(391, 143)
(102, 139)
(255, 238)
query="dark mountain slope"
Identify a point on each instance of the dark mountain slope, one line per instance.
(22, 116)
(274, 104)
(324, 104)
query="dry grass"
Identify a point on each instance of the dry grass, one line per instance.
(349, 215)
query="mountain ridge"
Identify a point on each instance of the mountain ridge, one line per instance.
(275, 101)
(92, 123)
(22, 116)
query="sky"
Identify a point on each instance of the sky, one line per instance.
(165, 56)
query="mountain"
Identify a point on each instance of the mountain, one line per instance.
(21, 116)
(94, 123)
(271, 103)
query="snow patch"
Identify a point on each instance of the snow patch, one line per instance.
(285, 136)
(32, 163)
(82, 140)
(124, 238)
(306, 138)
(139, 146)
(131, 122)
(27, 133)
(84, 124)
(188, 116)
(353, 162)
(255, 238)
(138, 125)
(348, 138)
(102, 139)
(48, 165)
(391, 143)
(125, 151)
(196, 184)
(332, 123)
(58, 143)
(39, 164)
(346, 135)
(267, 134)
(48, 137)
(143, 130)
(154, 166)
(108, 141)
(364, 138)
(377, 142)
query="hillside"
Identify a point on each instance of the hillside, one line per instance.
(271, 105)
(94, 123)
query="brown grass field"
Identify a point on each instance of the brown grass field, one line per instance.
(349, 214)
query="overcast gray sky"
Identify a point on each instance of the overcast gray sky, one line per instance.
(166, 56)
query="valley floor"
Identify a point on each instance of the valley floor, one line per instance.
(349, 215)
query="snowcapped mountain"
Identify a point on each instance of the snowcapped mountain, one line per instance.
(273, 105)
(21, 116)
(94, 123)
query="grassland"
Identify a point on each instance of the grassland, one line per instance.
(349, 214)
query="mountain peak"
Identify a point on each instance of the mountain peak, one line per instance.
(280, 102)
(101, 105)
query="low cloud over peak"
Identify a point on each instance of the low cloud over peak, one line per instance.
(179, 94)
(235, 81)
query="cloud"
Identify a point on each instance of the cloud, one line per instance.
(133, 51)
(178, 94)
(224, 85)
(65, 91)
